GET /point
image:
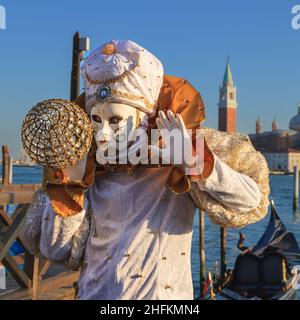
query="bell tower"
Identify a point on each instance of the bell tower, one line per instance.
(227, 102)
(274, 124)
(258, 126)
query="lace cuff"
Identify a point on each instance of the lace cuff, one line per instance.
(239, 172)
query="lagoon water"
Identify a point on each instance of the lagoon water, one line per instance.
(281, 193)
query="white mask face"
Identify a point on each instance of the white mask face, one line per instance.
(113, 123)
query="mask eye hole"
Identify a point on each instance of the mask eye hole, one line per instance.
(115, 120)
(96, 118)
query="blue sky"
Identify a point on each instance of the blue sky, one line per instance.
(191, 38)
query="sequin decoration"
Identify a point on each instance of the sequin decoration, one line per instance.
(56, 133)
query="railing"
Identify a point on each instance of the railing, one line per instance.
(31, 281)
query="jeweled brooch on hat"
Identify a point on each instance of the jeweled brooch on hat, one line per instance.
(104, 92)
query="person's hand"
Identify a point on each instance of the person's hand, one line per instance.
(76, 171)
(179, 153)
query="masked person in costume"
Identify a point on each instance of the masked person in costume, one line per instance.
(129, 227)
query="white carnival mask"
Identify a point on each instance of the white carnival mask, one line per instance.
(115, 131)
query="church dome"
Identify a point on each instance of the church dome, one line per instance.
(295, 121)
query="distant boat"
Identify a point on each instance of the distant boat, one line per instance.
(24, 161)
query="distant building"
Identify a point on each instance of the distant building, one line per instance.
(283, 161)
(281, 148)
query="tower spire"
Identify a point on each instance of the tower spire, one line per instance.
(228, 74)
(274, 124)
(258, 126)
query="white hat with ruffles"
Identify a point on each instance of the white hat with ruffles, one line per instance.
(121, 71)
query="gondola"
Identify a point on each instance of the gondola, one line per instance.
(268, 271)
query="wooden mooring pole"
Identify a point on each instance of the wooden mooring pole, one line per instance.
(11, 168)
(5, 165)
(296, 188)
(31, 268)
(75, 74)
(216, 271)
(80, 44)
(223, 241)
(202, 254)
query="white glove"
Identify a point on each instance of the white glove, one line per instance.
(180, 153)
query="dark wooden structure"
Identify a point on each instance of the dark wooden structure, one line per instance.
(5, 165)
(28, 276)
(75, 73)
(32, 279)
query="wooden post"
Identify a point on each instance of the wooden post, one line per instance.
(75, 75)
(211, 286)
(223, 240)
(296, 188)
(5, 165)
(31, 268)
(10, 170)
(202, 253)
(216, 267)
